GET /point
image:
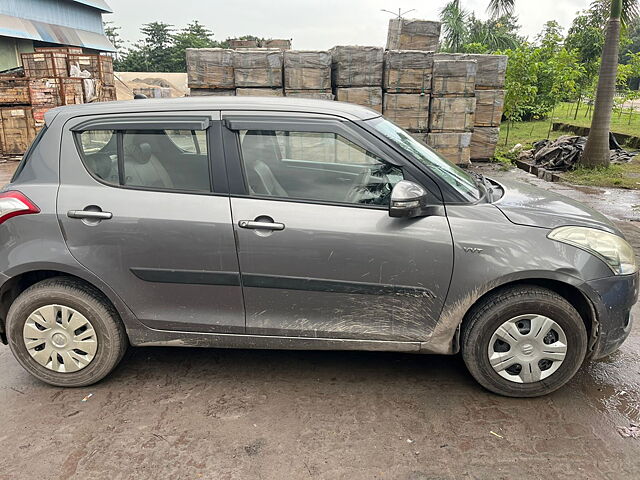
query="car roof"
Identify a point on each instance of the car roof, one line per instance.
(348, 111)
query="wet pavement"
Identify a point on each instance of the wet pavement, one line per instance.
(228, 414)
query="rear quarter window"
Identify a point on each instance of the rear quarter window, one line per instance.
(28, 154)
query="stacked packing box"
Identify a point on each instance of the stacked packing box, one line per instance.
(210, 71)
(258, 72)
(412, 34)
(407, 88)
(357, 75)
(307, 74)
(453, 103)
(53, 77)
(489, 92)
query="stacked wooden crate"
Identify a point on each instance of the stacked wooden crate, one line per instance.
(210, 71)
(258, 72)
(412, 34)
(53, 77)
(453, 105)
(357, 75)
(407, 88)
(489, 104)
(307, 74)
(489, 93)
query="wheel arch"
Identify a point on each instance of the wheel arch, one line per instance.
(20, 281)
(567, 290)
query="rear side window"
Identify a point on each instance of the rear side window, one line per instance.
(151, 159)
(28, 154)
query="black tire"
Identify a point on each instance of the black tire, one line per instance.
(491, 312)
(110, 333)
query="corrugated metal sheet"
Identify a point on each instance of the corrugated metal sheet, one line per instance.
(99, 4)
(67, 13)
(46, 32)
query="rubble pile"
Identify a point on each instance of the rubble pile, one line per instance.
(564, 153)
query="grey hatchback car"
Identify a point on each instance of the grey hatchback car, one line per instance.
(295, 224)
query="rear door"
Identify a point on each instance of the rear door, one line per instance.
(143, 205)
(319, 254)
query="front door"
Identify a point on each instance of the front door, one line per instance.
(319, 254)
(138, 208)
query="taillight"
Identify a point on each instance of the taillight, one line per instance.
(14, 203)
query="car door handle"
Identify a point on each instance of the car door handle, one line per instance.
(260, 225)
(89, 214)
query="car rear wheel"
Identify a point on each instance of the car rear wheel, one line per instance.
(524, 341)
(65, 333)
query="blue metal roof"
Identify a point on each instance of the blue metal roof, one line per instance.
(47, 32)
(99, 4)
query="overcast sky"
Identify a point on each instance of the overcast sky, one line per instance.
(318, 24)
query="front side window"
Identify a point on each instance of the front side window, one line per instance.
(153, 159)
(447, 171)
(316, 166)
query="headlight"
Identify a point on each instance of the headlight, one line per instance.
(614, 250)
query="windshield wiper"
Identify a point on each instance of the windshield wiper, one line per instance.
(481, 180)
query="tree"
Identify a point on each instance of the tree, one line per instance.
(194, 35)
(454, 25)
(498, 8)
(111, 31)
(149, 54)
(499, 33)
(596, 152)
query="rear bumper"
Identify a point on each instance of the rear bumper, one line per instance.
(613, 297)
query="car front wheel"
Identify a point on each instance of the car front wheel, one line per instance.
(524, 341)
(65, 333)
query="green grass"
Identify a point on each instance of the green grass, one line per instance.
(621, 121)
(526, 133)
(621, 176)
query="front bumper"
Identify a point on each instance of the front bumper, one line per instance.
(613, 297)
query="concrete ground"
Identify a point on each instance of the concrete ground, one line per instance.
(228, 414)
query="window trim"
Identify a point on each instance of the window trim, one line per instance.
(119, 130)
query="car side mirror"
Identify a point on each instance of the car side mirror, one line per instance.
(408, 199)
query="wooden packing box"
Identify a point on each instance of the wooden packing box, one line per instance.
(455, 147)
(58, 50)
(452, 114)
(17, 129)
(407, 71)
(210, 68)
(407, 110)
(412, 34)
(259, 92)
(258, 68)
(483, 142)
(314, 94)
(489, 107)
(491, 70)
(366, 96)
(55, 92)
(45, 65)
(354, 66)
(454, 77)
(99, 66)
(207, 92)
(14, 91)
(307, 70)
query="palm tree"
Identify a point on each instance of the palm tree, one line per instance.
(596, 152)
(498, 8)
(454, 23)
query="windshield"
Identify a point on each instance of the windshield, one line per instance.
(462, 181)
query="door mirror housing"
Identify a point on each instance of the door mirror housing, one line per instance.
(408, 199)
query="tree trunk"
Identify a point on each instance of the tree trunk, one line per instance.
(596, 152)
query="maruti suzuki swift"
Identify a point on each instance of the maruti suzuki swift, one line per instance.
(294, 224)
